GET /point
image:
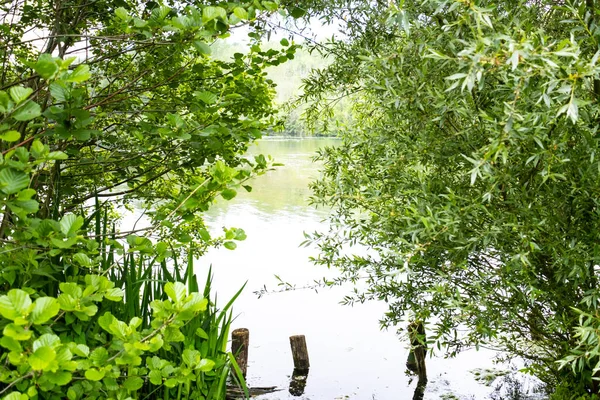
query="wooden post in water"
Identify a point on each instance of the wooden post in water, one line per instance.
(300, 353)
(240, 340)
(301, 365)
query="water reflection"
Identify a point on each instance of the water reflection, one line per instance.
(350, 357)
(298, 382)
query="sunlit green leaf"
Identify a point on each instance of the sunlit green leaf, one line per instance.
(27, 111)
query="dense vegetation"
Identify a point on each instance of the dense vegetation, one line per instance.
(106, 105)
(288, 79)
(468, 172)
(471, 176)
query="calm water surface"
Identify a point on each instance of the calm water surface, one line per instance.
(351, 358)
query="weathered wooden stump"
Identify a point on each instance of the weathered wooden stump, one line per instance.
(301, 365)
(300, 353)
(240, 340)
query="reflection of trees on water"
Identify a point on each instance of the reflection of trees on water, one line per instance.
(285, 188)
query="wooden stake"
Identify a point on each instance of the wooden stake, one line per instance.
(300, 353)
(240, 340)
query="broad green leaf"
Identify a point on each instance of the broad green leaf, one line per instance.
(204, 234)
(64, 244)
(41, 358)
(135, 322)
(46, 66)
(106, 320)
(156, 343)
(94, 374)
(17, 332)
(57, 155)
(59, 378)
(25, 194)
(12, 181)
(71, 288)
(16, 304)
(206, 365)
(171, 383)
(133, 383)
(193, 305)
(240, 234)
(19, 93)
(10, 136)
(202, 47)
(228, 194)
(241, 13)
(173, 334)
(27, 111)
(122, 14)
(230, 245)
(82, 259)
(81, 350)
(16, 396)
(114, 294)
(155, 377)
(6, 105)
(176, 291)
(60, 91)
(37, 149)
(47, 339)
(270, 5)
(80, 74)
(11, 344)
(209, 13)
(296, 12)
(44, 308)
(99, 356)
(119, 329)
(26, 206)
(191, 357)
(70, 224)
(206, 97)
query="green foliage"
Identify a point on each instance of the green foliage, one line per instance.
(51, 350)
(469, 181)
(142, 113)
(114, 104)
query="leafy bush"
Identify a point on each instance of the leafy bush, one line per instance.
(115, 103)
(63, 345)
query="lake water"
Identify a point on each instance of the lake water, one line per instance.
(351, 358)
